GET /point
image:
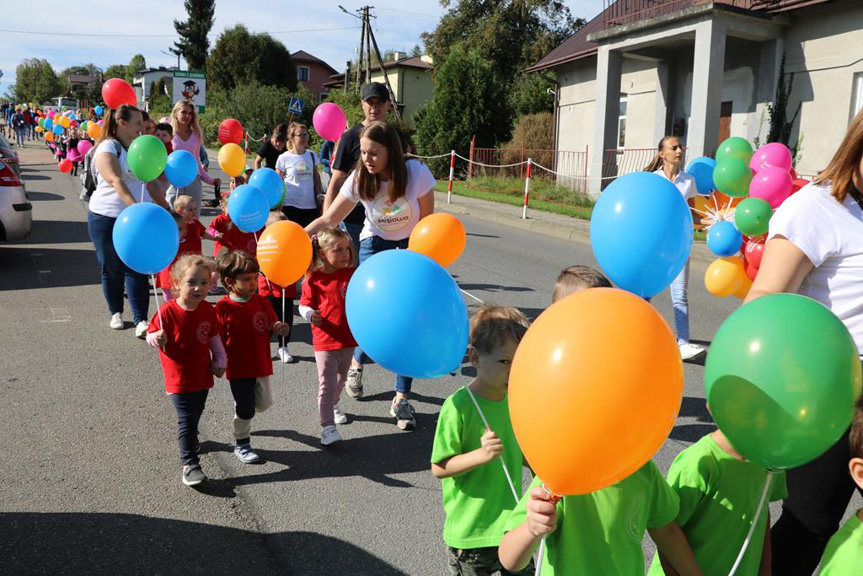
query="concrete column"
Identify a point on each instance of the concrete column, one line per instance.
(608, 70)
(660, 126)
(707, 72)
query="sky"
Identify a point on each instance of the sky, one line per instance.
(319, 28)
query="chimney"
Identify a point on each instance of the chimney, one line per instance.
(399, 55)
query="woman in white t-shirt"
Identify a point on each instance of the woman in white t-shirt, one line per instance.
(815, 248)
(296, 166)
(396, 195)
(116, 188)
(666, 163)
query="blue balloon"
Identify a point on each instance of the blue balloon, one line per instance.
(146, 238)
(641, 232)
(407, 314)
(723, 239)
(48, 124)
(73, 117)
(58, 130)
(270, 183)
(98, 110)
(248, 208)
(702, 170)
(181, 169)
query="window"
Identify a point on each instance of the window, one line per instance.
(303, 73)
(621, 123)
(858, 89)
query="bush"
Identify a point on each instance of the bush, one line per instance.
(534, 132)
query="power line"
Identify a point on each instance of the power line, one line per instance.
(91, 35)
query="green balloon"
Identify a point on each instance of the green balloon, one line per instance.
(752, 216)
(734, 147)
(147, 158)
(781, 377)
(732, 177)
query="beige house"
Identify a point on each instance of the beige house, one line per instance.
(410, 80)
(704, 71)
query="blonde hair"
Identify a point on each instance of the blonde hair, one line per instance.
(275, 216)
(846, 162)
(293, 128)
(326, 239)
(491, 326)
(194, 124)
(576, 278)
(657, 161)
(188, 262)
(183, 201)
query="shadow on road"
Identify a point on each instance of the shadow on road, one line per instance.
(495, 288)
(24, 267)
(58, 232)
(43, 196)
(82, 543)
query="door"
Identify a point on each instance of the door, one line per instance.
(724, 122)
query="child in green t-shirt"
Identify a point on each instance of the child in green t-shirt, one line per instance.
(719, 492)
(475, 453)
(844, 553)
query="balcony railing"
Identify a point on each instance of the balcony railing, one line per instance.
(619, 12)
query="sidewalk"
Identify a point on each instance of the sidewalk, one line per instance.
(546, 223)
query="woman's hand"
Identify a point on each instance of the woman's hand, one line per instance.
(217, 182)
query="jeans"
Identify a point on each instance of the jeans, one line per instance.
(680, 304)
(113, 270)
(354, 231)
(19, 136)
(368, 248)
(189, 407)
(194, 190)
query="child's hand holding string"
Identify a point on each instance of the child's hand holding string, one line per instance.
(491, 445)
(541, 512)
(316, 318)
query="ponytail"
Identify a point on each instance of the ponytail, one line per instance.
(109, 129)
(657, 161)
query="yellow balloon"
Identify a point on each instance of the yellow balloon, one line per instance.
(39, 129)
(232, 159)
(724, 276)
(64, 121)
(745, 287)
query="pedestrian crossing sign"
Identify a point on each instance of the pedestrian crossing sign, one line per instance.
(296, 106)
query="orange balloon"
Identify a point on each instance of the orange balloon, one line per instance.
(284, 252)
(49, 136)
(745, 287)
(439, 236)
(583, 418)
(724, 276)
(93, 130)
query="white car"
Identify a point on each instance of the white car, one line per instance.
(16, 212)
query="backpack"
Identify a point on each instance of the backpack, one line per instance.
(90, 178)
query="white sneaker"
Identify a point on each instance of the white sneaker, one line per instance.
(339, 416)
(285, 355)
(689, 351)
(330, 435)
(116, 322)
(141, 329)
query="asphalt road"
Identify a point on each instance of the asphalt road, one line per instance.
(91, 483)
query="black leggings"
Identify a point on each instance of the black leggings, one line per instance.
(288, 316)
(243, 391)
(302, 216)
(818, 495)
(189, 406)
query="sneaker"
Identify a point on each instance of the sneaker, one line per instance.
(330, 435)
(339, 416)
(403, 412)
(244, 454)
(689, 351)
(354, 382)
(83, 196)
(285, 356)
(116, 322)
(193, 475)
(141, 329)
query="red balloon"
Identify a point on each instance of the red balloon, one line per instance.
(793, 173)
(116, 92)
(753, 253)
(230, 131)
(798, 184)
(751, 271)
(65, 165)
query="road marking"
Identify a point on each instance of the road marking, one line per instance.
(43, 271)
(58, 315)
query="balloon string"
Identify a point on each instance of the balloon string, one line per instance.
(283, 339)
(758, 510)
(270, 286)
(158, 307)
(143, 185)
(487, 427)
(539, 555)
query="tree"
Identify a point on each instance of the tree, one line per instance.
(159, 101)
(193, 44)
(115, 71)
(780, 125)
(36, 81)
(468, 100)
(91, 92)
(416, 51)
(136, 63)
(240, 57)
(529, 95)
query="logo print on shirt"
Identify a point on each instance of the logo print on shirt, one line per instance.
(260, 321)
(389, 215)
(633, 522)
(203, 332)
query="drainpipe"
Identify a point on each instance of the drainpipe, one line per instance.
(556, 117)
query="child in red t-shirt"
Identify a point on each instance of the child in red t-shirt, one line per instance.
(248, 320)
(186, 330)
(229, 236)
(273, 293)
(323, 304)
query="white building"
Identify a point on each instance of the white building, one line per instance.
(142, 80)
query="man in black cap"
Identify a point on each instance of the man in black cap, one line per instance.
(375, 100)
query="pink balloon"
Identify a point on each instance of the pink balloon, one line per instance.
(84, 147)
(773, 154)
(73, 155)
(51, 114)
(771, 184)
(329, 121)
